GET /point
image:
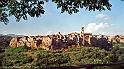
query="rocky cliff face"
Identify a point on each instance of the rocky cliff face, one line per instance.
(30, 41)
(59, 41)
(13, 43)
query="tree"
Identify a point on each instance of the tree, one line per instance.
(5, 40)
(34, 8)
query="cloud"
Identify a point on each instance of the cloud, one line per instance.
(49, 32)
(103, 33)
(112, 33)
(25, 34)
(112, 24)
(100, 15)
(4, 31)
(103, 16)
(106, 18)
(92, 27)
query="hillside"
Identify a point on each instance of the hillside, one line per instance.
(25, 57)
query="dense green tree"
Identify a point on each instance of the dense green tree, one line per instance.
(5, 40)
(34, 8)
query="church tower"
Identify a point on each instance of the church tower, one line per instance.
(82, 34)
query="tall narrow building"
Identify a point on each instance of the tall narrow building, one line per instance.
(82, 34)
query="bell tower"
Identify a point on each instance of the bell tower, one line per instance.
(82, 34)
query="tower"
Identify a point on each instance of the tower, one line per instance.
(82, 34)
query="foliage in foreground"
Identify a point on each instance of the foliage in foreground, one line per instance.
(27, 57)
(34, 8)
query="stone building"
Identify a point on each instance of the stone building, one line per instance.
(56, 41)
(53, 41)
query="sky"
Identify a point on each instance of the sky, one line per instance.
(105, 22)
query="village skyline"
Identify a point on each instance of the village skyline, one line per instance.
(104, 22)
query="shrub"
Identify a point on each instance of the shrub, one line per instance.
(51, 59)
(20, 49)
(28, 59)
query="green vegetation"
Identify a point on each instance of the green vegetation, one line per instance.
(120, 44)
(26, 57)
(4, 41)
(34, 8)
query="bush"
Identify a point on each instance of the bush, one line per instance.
(17, 59)
(20, 49)
(4, 41)
(86, 55)
(28, 59)
(45, 59)
(119, 44)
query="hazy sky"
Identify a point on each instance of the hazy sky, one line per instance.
(105, 22)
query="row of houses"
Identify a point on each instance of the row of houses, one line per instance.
(58, 41)
(49, 41)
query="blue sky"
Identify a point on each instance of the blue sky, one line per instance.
(105, 22)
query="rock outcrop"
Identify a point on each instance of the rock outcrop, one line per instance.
(49, 42)
(32, 41)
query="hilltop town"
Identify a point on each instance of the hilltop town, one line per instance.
(58, 41)
(62, 50)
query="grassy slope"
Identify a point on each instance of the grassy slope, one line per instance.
(23, 56)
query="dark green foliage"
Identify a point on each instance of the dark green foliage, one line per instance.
(4, 41)
(14, 56)
(72, 6)
(0, 49)
(45, 59)
(34, 8)
(19, 10)
(34, 49)
(85, 55)
(27, 59)
(16, 59)
(120, 44)
(21, 49)
(1, 57)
